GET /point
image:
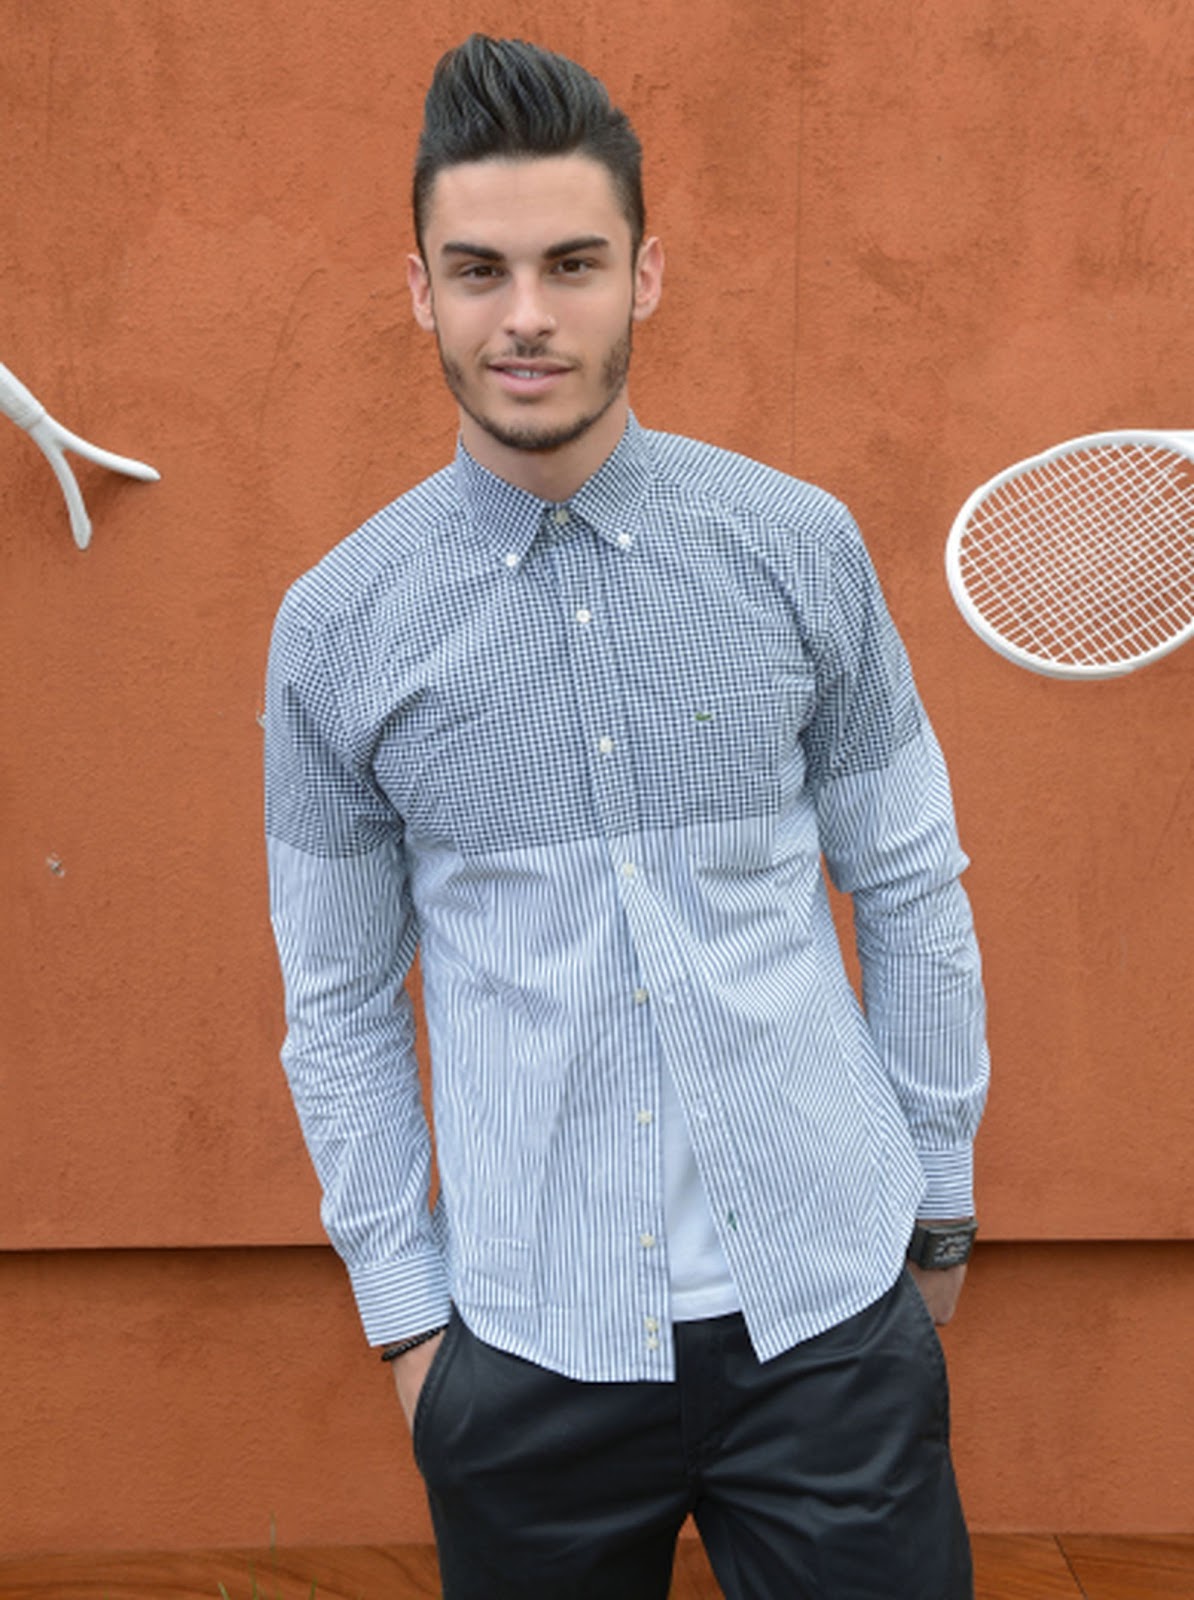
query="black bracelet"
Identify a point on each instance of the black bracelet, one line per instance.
(391, 1352)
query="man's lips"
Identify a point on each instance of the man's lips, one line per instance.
(529, 364)
(528, 376)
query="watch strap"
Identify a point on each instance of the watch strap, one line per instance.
(938, 1246)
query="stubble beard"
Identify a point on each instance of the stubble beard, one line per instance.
(543, 438)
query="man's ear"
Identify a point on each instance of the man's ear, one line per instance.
(648, 279)
(418, 281)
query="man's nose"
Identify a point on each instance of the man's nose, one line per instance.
(528, 315)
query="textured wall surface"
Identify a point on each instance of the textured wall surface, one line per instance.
(907, 243)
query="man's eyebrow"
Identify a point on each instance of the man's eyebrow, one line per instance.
(461, 247)
(572, 247)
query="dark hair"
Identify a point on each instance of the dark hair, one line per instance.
(492, 98)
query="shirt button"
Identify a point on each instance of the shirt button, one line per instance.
(628, 869)
(605, 744)
(511, 560)
(652, 1343)
(647, 1240)
(645, 1117)
(640, 997)
(560, 516)
(625, 541)
(584, 616)
(651, 1324)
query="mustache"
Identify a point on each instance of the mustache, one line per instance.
(520, 351)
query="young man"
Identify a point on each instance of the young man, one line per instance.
(579, 718)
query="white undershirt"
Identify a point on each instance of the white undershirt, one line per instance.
(698, 1273)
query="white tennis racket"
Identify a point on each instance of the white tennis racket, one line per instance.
(1079, 562)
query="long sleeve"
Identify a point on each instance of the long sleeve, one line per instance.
(890, 841)
(346, 938)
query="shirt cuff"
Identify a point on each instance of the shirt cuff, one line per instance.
(949, 1183)
(403, 1297)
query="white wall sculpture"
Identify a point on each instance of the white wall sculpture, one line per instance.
(53, 440)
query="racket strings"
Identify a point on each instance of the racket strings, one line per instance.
(1086, 559)
(1104, 584)
(1065, 501)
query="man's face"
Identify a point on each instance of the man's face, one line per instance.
(530, 287)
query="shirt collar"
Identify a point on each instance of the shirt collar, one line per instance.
(511, 518)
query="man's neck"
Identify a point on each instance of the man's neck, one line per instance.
(549, 474)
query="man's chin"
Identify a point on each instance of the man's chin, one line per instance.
(536, 438)
(536, 441)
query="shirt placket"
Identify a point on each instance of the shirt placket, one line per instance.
(578, 556)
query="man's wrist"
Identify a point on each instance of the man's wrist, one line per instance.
(402, 1347)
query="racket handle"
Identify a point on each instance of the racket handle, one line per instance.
(16, 401)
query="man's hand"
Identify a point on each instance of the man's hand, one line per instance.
(410, 1372)
(939, 1290)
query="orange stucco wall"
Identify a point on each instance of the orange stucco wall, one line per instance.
(907, 243)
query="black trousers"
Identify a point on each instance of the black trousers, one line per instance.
(824, 1474)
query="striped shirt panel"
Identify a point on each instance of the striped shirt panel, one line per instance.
(590, 759)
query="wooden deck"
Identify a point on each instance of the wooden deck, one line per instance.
(1007, 1566)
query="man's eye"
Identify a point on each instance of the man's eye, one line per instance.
(574, 266)
(478, 271)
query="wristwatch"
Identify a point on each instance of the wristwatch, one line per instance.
(938, 1245)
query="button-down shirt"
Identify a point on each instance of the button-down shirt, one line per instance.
(589, 759)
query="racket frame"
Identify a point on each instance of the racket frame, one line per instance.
(1179, 439)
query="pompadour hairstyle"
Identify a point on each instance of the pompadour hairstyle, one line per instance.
(503, 98)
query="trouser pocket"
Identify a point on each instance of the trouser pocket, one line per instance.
(432, 1385)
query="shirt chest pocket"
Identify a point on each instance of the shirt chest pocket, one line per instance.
(726, 752)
